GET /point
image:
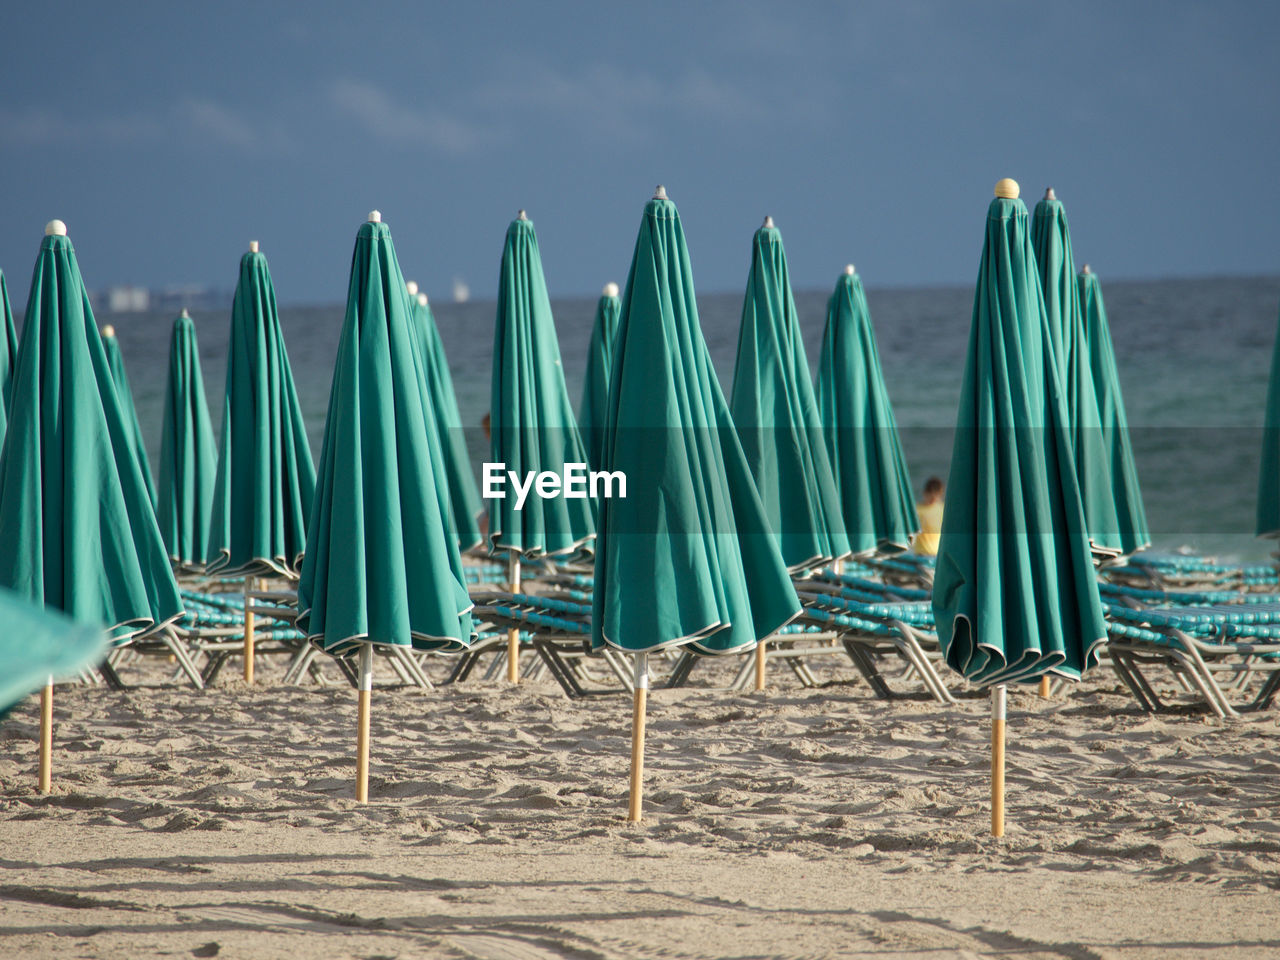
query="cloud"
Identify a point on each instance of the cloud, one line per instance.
(37, 127)
(386, 119)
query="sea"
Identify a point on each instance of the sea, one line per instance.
(1193, 355)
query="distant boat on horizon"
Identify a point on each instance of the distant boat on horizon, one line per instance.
(461, 292)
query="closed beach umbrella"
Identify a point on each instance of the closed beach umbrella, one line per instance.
(595, 385)
(115, 361)
(531, 420)
(1126, 494)
(687, 557)
(532, 427)
(776, 414)
(1051, 238)
(381, 565)
(37, 644)
(860, 431)
(265, 477)
(78, 529)
(442, 404)
(188, 454)
(8, 353)
(1269, 476)
(1015, 596)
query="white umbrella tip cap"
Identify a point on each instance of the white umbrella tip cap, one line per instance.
(412, 287)
(848, 270)
(1049, 194)
(55, 228)
(185, 315)
(108, 331)
(610, 289)
(768, 223)
(422, 299)
(253, 246)
(1007, 189)
(375, 216)
(660, 192)
(521, 215)
(1087, 269)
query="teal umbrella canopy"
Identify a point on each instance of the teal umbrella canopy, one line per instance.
(688, 556)
(1051, 239)
(595, 386)
(265, 479)
(442, 406)
(381, 564)
(38, 644)
(860, 431)
(79, 530)
(188, 454)
(1126, 494)
(8, 353)
(531, 420)
(1014, 593)
(1269, 475)
(774, 409)
(115, 361)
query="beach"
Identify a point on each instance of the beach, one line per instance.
(792, 822)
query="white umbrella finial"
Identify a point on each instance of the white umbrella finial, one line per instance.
(1087, 269)
(184, 315)
(253, 246)
(55, 228)
(1007, 189)
(422, 299)
(521, 215)
(848, 270)
(768, 223)
(660, 193)
(108, 331)
(412, 287)
(1049, 194)
(375, 216)
(610, 289)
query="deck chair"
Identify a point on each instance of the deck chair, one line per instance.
(1211, 650)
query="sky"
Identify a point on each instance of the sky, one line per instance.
(169, 135)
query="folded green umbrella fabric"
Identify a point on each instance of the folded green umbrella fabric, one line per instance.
(688, 556)
(115, 360)
(381, 564)
(1051, 238)
(774, 409)
(265, 479)
(595, 385)
(8, 353)
(38, 644)
(442, 402)
(79, 530)
(860, 431)
(1269, 473)
(1126, 494)
(1014, 593)
(188, 454)
(532, 425)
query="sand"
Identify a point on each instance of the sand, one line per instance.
(798, 823)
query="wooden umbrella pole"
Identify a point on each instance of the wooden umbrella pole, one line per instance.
(760, 664)
(513, 635)
(362, 722)
(46, 737)
(998, 704)
(637, 737)
(1044, 687)
(249, 619)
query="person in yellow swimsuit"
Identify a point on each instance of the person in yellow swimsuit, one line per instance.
(929, 510)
